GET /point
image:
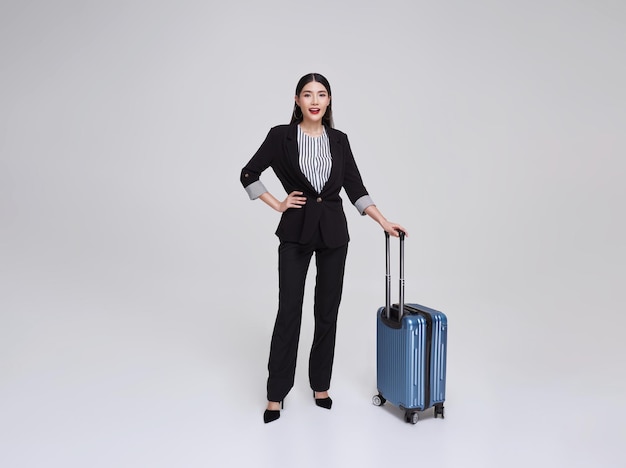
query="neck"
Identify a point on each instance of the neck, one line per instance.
(312, 128)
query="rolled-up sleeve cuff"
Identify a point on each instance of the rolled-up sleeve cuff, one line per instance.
(363, 203)
(255, 190)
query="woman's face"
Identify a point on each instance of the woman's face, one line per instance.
(313, 100)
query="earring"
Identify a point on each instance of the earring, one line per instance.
(294, 113)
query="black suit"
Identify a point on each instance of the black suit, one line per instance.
(318, 227)
(323, 210)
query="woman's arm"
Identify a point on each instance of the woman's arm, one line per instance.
(293, 200)
(391, 228)
(357, 193)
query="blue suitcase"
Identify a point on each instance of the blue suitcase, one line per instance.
(411, 348)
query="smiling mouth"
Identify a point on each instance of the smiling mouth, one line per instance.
(314, 111)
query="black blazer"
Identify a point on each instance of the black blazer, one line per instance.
(280, 152)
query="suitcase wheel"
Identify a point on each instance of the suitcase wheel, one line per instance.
(411, 417)
(378, 400)
(439, 410)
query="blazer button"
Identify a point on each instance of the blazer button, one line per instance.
(319, 199)
(246, 175)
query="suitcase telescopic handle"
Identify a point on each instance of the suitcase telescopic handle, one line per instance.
(388, 277)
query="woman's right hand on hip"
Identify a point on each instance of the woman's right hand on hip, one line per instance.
(293, 200)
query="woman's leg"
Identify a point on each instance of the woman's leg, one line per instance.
(293, 264)
(328, 289)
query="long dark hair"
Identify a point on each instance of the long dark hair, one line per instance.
(328, 116)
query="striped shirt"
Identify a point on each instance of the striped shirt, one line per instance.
(315, 158)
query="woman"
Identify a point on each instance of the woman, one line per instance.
(313, 162)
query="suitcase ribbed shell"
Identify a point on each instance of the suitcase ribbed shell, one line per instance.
(401, 365)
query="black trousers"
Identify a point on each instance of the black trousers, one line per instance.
(293, 264)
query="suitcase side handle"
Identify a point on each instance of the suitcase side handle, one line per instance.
(388, 277)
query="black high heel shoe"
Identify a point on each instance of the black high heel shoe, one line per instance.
(272, 415)
(323, 402)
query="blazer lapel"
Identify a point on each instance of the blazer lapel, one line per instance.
(336, 154)
(293, 155)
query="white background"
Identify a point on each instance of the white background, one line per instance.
(138, 282)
